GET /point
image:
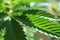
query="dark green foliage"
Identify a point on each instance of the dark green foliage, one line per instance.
(13, 18)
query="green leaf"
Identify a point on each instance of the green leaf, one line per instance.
(10, 34)
(14, 29)
(18, 30)
(46, 23)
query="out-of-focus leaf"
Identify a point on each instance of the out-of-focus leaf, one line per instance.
(2, 33)
(15, 2)
(0, 1)
(1, 6)
(17, 13)
(33, 0)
